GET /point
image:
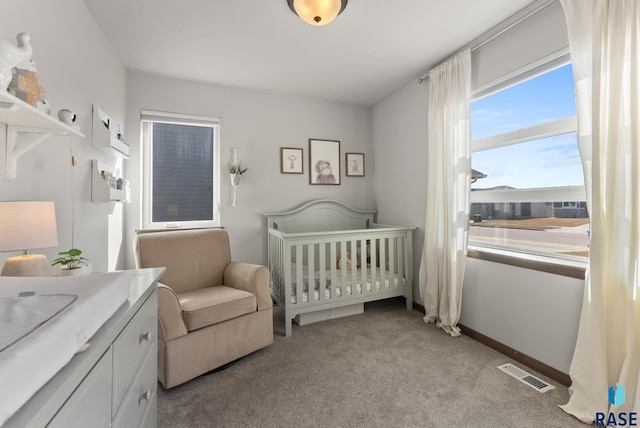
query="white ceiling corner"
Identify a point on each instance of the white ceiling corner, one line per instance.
(374, 48)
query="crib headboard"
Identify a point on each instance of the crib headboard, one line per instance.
(321, 216)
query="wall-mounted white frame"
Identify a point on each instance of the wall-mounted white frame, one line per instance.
(26, 128)
(101, 191)
(104, 137)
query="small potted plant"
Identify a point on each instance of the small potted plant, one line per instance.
(72, 263)
(236, 169)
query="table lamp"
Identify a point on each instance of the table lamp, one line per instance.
(26, 225)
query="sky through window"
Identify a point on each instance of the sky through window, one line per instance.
(548, 162)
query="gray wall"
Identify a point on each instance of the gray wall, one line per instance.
(258, 124)
(536, 313)
(77, 67)
(533, 312)
(400, 147)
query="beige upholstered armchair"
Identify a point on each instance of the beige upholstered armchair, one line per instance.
(211, 310)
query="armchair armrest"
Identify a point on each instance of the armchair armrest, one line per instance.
(170, 313)
(252, 278)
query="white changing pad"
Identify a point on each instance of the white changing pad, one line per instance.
(29, 363)
(21, 315)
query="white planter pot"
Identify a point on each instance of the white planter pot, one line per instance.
(82, 270)
(235, 182)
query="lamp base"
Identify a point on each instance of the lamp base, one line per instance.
(31, 265)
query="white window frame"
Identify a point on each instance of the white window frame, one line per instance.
(537, 132)
(147, 118)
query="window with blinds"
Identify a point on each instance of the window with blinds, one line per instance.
(181, 171)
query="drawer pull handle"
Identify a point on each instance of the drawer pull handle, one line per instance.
(145, 396)
(145, 336)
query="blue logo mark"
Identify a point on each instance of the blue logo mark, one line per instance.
(616, 395)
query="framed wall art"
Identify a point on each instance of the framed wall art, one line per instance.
(324, 162)
(355, 164)
(291, 161)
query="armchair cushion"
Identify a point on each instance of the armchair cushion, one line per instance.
(194, 259)
(213, 305)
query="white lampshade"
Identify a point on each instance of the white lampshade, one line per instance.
(27, 225)
(317, 12)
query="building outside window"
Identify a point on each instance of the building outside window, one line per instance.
(527, 191)
(181, 170)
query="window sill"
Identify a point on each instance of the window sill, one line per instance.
(557, 266)
(169, 229)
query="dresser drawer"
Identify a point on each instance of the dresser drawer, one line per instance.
(86, 406)
(130, 348)
(141, 396)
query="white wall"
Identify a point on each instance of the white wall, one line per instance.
(400, 149)
(533, 312)
(77, 67)
(258, 124)
(536, 313)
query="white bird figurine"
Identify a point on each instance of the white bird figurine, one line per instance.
(11, 55)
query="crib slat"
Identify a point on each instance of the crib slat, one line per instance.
(284, 290)
(332, 269)
(311, 272)
(275, 262)
(354, 267)
(401, 256)
(409, 272)
(383, 261)
(363, 266)
(392, 261)
(299, 271)
(287, 269)
(272, 263)
(334, 276)
(373, 250)
(322, 267)
(277, 266)
(343, 267)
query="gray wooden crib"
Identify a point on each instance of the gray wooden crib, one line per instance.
(326, 256)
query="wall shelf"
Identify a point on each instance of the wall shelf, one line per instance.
(105, 137)
(101, 191)
(26, 128)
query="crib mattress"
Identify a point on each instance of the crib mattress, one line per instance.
(350, 289)
(35, 357)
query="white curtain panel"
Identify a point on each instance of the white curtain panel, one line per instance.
(605, 50)
(448, 186)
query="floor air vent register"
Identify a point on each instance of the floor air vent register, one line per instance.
(526, 378)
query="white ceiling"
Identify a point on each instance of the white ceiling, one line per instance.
(374, 48)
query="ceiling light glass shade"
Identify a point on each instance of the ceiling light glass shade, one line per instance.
(317, 12)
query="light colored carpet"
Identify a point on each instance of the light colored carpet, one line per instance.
(383, 368)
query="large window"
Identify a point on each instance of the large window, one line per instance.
(181, 170)
(528, 185)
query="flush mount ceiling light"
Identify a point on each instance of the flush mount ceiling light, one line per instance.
(317, 12)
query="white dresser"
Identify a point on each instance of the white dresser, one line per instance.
(113, 382)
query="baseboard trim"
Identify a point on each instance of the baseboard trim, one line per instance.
(532, 363)
(542, 368)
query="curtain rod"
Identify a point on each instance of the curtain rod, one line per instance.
(498, 30)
